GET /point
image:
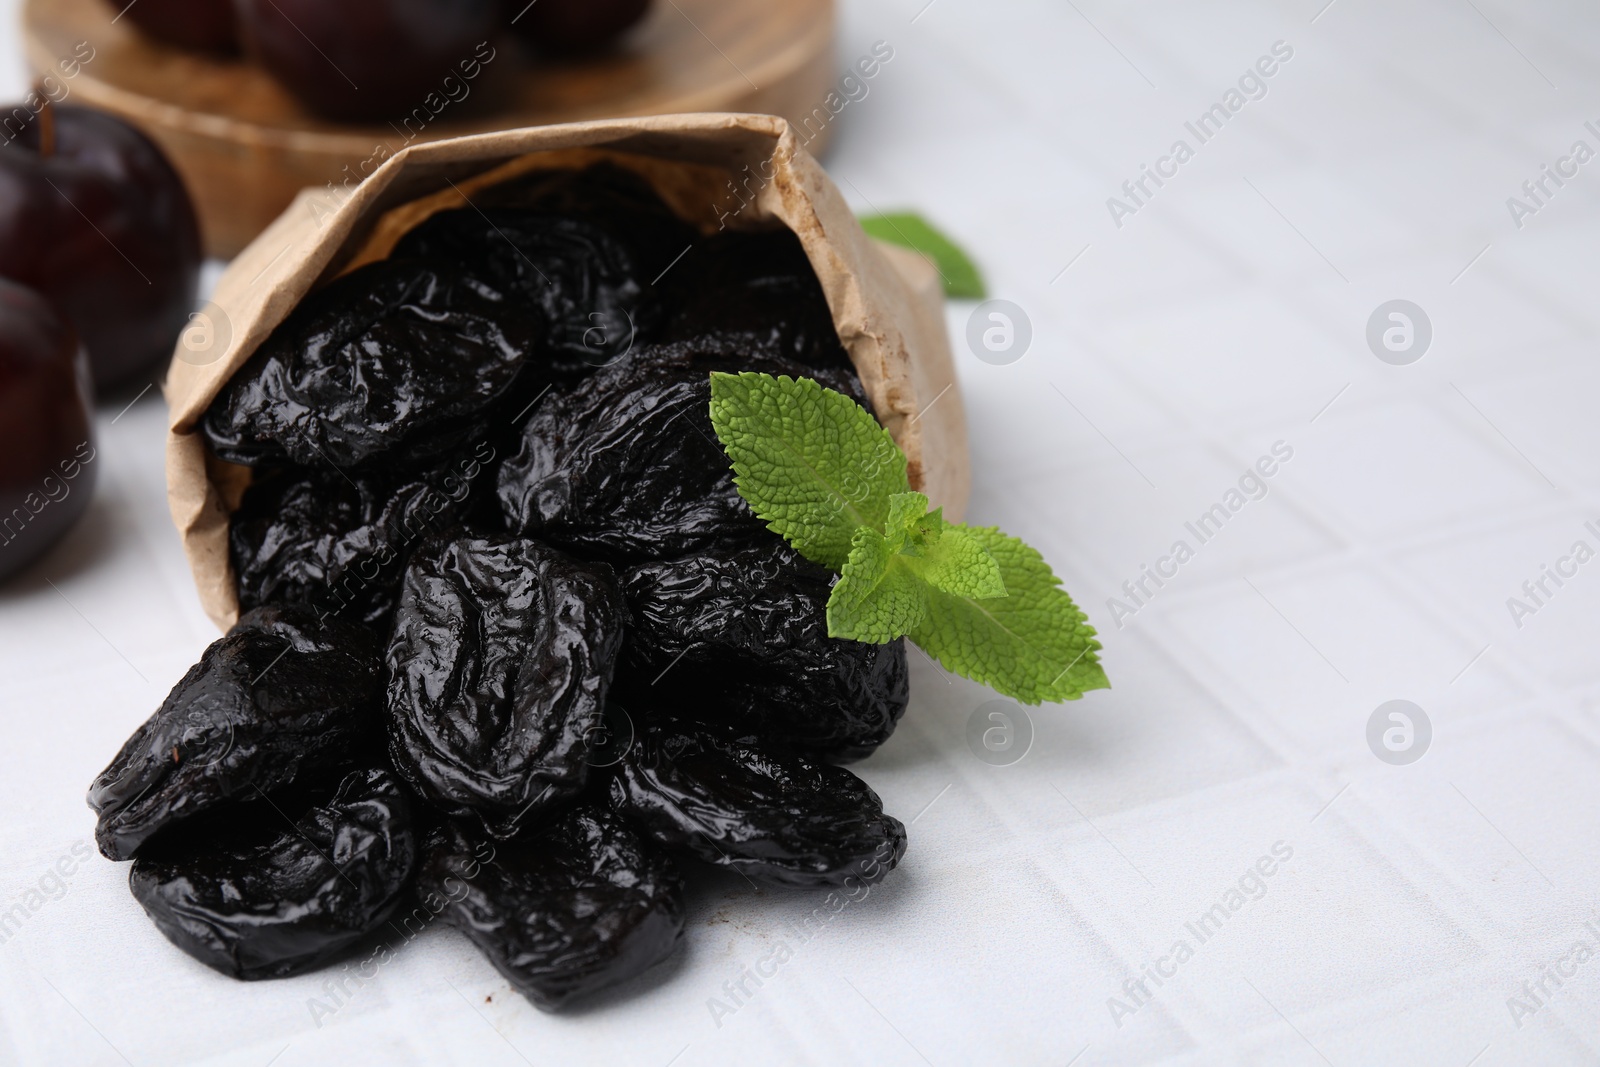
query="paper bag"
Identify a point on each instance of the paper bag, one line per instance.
(716, 170)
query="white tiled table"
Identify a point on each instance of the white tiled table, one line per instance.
(1227, 314)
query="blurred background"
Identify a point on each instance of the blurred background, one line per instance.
(1339, 345)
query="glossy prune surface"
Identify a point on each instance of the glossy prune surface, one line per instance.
(741, 638)
(625, 465)
(759, 287)
(318, 538)
(283, 695)
(266, 895)
(582, 278)
(609, 196)
(581, 246)
(398, 359)
(492, 349)
(499, 664)
(583, 905)
(772, 816)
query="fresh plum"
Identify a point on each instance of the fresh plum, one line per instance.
(46, 448)
(94, 217)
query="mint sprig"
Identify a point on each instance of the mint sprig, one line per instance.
(962, 279)
(818, 469)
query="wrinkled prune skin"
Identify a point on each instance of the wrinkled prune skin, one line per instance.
(610, 196)
(742, 639)
(583, 905)
(581, 277)
(583, 246)
(281, 696)
(625, 465)
(760, 287)
(499, 664)
(396, 360)
(267, 897)
(317, 538)
(772, 816)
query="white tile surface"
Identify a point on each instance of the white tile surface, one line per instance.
(1224, 315)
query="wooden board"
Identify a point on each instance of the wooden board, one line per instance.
(246, 147)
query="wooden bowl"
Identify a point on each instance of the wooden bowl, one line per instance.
(246, 147)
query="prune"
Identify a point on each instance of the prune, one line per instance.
(607, 195)
(583, 246)
(742, 639)
(498, 670)
(772, 816)
(721, 350)
(268, 896)
(625, 465)
(584, 905)
(576, 272)
(318, 538)
(760, 287)
(398, 359)
(281, 696)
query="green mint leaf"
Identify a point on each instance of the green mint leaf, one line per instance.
(945, 556)
(877, 599)
(962, 281)
(882, 593)
(907, 512)
(814, 465)
(958, 563)
(819, 470)
(1032, 644)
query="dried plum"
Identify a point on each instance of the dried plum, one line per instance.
(742, 638)
(577, 273)
(772, 816)
(758, 286)
(721, 350)
(584, 905)
(398, 358)
(318, 538)
(269, 896)
(501, 656)
(625, 465)
(583, 246)
(554, 339)
(605, 194)
(283, 694)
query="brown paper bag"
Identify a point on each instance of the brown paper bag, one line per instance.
(738, 171)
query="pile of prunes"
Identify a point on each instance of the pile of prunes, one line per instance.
(513, 647)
